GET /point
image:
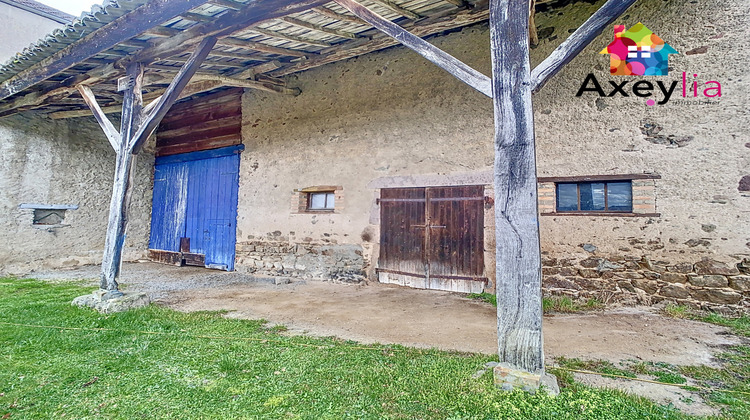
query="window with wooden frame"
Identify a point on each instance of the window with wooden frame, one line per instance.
(599, 195)
(614, 196)
(321, 201)
(318, 199)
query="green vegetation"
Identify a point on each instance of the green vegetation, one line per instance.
(549, 304)
(565, 304)
(728, 386)
(484, 296)
(676, 311)
(158, 363)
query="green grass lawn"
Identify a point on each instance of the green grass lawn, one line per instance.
(245, 369)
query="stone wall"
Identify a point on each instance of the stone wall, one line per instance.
(706, 284)
(392, 119)
(277, 256)
(43, 161)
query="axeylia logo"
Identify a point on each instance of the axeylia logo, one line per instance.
(640, 52)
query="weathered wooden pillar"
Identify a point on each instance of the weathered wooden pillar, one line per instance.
(121, 190)
(518, 269)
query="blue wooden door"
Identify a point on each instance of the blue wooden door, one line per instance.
(195, 196)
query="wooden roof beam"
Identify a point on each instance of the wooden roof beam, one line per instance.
(437, 56)
(122, 29)
(229, 4)
(425, 27)
(250, 72)
(290, 38)
(261, 47)
(224, 25)
(319, 28)
(162, 31)
(104, 38)
(197, 17)
(577, 41)
(324, 11)
(398, 9)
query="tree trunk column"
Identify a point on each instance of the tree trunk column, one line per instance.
(132, 104)
(518, 269)
(118, 221)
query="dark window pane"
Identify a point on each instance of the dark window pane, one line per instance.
(619, 196)
(567, 197)
(592, 196)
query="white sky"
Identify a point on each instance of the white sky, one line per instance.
(73, 7)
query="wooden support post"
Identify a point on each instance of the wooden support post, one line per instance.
(109, 129)
(437, 56)
(124, 169)
(154, 117)
(577, 41)
(135, 128)
(518, 265)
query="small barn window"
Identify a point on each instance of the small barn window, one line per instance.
(321, 200)
(318, 199)
(614, 196)
(48, 215)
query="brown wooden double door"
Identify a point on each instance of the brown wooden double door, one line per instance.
(433, 238)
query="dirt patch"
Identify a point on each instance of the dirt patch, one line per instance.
(378, 313)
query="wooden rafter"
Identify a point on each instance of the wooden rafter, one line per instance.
(222, 26)
(261, 47)
(324, 11)
(109, 129)
(398, 9)
(151, 121)
(225, 25)
(320, 28)
(106, 37)
(577, 41)
(257, 69)
(437, 56)
(424, 27)
(291, 38)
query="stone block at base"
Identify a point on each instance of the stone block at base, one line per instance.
(509, 378)
(108, 302)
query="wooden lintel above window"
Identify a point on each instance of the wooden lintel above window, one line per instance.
(321, 188)
(595, 178)
(600, 213)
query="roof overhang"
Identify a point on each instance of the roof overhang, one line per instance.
(259, 41)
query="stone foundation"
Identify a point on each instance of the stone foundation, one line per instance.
(332, 262)
(706, 284)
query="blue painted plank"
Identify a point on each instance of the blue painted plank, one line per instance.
(196, 197)
(168, 208)
(204, 154)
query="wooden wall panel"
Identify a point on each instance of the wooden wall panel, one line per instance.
(204, 123)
